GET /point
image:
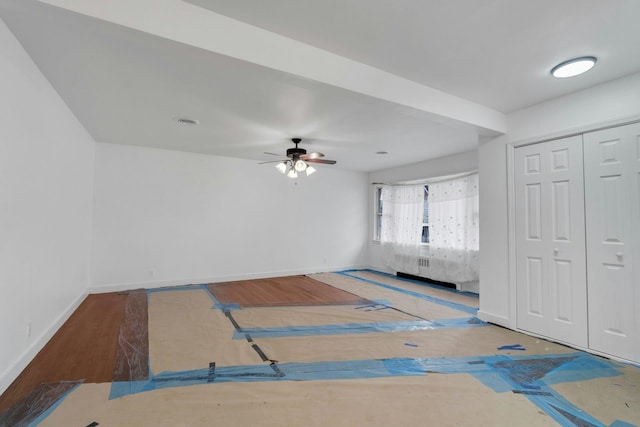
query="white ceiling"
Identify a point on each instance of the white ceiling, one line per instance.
(430, 76)
(497, 53)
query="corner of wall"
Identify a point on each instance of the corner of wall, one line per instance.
(45, 218)
(9, 375)
(496, 319)
(494, 254)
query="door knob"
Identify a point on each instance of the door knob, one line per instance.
(619, 256)
(556, 251)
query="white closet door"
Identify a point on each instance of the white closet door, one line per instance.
(550, 243)
(612, 184)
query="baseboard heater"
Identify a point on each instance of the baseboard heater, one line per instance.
(426, 280)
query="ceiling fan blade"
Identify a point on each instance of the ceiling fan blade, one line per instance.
(273, 161)
(273, 154)
(311, 156)
(326, 162)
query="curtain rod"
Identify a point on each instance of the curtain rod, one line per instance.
(428, 180)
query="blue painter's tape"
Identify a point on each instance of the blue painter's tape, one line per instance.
(216, 304)
(450, 304)
(582, 368)
(348, 328)
(355, 328)
(501, 381)
(538, 371)
(350, 369)
(618, 423)
(123, 388)
(52, 408)
(500, 373)
(495, 382)
(259, 373)
(413, 281)
(175, 288)
(276, 369)
(376, 304)
(533, 392)
(384, 302)
(463, 322)
(562, 411)
(512, 347)
(531, 387)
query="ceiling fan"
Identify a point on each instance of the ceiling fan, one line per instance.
(298, 160)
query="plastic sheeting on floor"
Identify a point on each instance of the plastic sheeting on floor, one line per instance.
(415, 356)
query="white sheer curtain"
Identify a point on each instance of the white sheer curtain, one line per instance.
(401, 228)
(454, 230)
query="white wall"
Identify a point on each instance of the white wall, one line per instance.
(166, 217)
(443, 166)
(494, 250)
(611, 103)
(46, 170)
(580, 111)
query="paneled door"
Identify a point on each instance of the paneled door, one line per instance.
(550, 240)
(612, 186)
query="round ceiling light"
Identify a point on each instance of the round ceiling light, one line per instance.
(573, 67)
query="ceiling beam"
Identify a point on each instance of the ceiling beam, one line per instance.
(186, 23)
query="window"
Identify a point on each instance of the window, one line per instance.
(438, 220)
(378, 218)
(378, 215)
(425, 216)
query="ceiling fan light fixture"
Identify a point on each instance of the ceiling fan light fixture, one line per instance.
(282, 167)
(298, 160)
(574, 67)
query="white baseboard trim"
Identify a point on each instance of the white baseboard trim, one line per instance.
(38, 344)
(118, 287)
(495, 319)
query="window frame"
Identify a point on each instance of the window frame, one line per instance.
(377, 213)
(425, 224)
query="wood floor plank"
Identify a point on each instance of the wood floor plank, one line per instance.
(84, 348)
(282, 291)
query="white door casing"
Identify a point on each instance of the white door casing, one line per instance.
(551, 289)
(612, 186)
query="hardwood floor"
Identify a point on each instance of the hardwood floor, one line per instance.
(106, 338)
(84, 348)
(282, 291)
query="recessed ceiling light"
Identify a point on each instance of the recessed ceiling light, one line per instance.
(573, 67)
(186, 121)
(382, 152)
